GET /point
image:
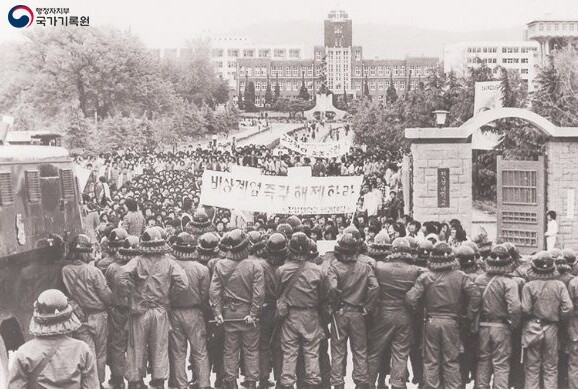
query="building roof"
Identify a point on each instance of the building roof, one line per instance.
(31, 153)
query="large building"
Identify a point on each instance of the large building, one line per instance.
(552, 33)
(542, 37)
(344, 65)
(225, 51)
(521, 56)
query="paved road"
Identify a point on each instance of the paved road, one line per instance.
(267, 137)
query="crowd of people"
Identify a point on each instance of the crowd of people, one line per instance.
(160, 283)
(165, 188)
(268, 302)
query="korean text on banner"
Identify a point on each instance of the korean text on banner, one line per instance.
(316, 150)
(280, 194)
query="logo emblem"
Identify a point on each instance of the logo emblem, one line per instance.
(23, 20)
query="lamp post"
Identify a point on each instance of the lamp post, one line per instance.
(441, 116)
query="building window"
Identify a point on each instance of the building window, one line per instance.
(279, 53)
(358, 55)
(309, 71)
(318, 56)
(264, 53)
(233, 53)
(232, 64)
(288, 86)
(295, 72)
(294, 53)
(248, 53)
(541, 26)
(380, 85)
(524, 71)
(217, 53)
(338, 30)
(372, 71)
(524, 60)
(295, 85)
(287, 71)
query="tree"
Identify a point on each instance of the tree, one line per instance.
(303, 93)
(102, 84)
(277, 88)
(390, 93)
(366, 88)
(268, 93)
(556, 97)
(240, 99)
(250, 93)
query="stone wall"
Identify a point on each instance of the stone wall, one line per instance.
(561, 182)
(427, 158)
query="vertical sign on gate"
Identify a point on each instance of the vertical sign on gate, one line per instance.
(443, 187)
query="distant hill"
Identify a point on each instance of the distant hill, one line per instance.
(384, 41)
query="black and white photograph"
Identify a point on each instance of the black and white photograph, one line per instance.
(303, 194)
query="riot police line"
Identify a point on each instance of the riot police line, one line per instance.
(267, 306)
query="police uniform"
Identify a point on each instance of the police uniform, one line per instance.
(187, 320)
(67, 362)
(236, 295)
(443, 288)
(354, 289)
(545, 300)
(392, 320)
(300, 325)
(151, 276)
(500, 313)
(91, 297)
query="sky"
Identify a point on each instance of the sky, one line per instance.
(170, 23)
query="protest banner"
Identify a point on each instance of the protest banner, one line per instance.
(316, 150)
(281, 194)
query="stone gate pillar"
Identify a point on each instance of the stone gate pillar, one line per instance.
(562, 187)
(441, 175)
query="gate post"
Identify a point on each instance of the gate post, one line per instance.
(442, 175)
(562, 187)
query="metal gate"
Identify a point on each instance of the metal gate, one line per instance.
(521, 194)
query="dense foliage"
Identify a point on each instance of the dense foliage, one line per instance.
(103, 89)
(381, 125)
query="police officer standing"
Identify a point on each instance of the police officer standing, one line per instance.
(236, 296)
(301, 289)
(545, 300)
(186, 315)
(52, 359)
(119, 310)
(90, 298)
(269, 349)
(500, 313)
(353, 289)
(151, 276)
(392, 321)
(444, 288)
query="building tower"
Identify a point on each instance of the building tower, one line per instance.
(338, 33)
(552, 33)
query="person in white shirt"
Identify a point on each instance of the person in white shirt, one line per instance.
(552, 230)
